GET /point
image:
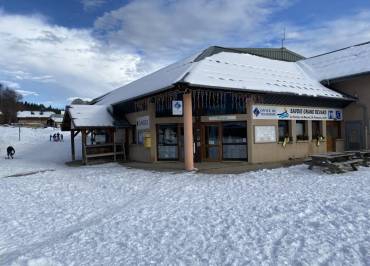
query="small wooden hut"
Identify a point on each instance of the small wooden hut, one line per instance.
(102, 136)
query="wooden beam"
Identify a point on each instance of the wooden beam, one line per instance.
(73, 145)
(114, 145)
(84, 158)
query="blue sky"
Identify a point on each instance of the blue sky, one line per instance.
(53, 51)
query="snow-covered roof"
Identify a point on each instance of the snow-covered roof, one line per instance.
(227, 70)
(34, 114)
(349, 61)
(253, 73)
(90, 116)
(58, 118)
(159, 80)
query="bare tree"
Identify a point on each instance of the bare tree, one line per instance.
(8, 103)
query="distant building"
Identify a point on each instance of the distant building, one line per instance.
(56, 120)
(34, 118)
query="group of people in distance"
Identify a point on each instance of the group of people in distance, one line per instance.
(56, 137)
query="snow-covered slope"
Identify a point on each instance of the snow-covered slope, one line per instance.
(34, 151)
(110, 215)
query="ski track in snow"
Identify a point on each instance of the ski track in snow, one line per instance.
(110, 215)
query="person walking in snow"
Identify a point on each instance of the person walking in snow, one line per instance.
(10, 152)
(61, 137)
(51, 137)
(58, 136)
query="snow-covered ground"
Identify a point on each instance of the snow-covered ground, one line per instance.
(110, 215)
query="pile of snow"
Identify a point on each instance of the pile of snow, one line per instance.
(111, 215)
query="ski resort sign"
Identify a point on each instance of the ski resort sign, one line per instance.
(295, 113)
(142, 123)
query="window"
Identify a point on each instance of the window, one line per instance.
(167, 142)
(301, 130)
(97, 136)
(140, 136)
(234, 141)
(284, 129)
(316, 129)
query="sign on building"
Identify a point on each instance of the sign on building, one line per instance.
(142, 123)
(176, 107)
(295, 113)
(264, 134)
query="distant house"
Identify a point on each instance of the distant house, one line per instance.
(34, 118)
(55, 120)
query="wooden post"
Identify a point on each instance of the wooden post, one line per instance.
(114, 145)
(84, 158)
(73, 145)
(188, 132)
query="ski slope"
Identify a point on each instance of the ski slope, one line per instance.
(110, 215)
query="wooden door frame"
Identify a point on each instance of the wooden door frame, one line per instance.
(339, 125)
(205, 145)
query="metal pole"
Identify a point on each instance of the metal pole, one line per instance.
(19, 132)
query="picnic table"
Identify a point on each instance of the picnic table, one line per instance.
(335, 162)
(362, 154)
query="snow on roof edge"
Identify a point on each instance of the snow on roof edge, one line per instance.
(168, 76)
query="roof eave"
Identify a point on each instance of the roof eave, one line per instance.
(146, 94)
(265, 92)
(344, 78)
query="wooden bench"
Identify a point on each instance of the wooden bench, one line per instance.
(354, 163)
(335, 162)
(364, 155)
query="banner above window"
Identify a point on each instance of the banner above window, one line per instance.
(295, 113)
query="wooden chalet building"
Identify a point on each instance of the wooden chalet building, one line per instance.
(34, 118)
(254, 105)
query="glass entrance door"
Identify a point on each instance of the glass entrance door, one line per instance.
(234, 141)
(212, 143)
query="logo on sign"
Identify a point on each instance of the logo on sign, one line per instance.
(331, 114)
(283, 114)
(176, 107)
(256, 112)
(338, 115)
(142, 122)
